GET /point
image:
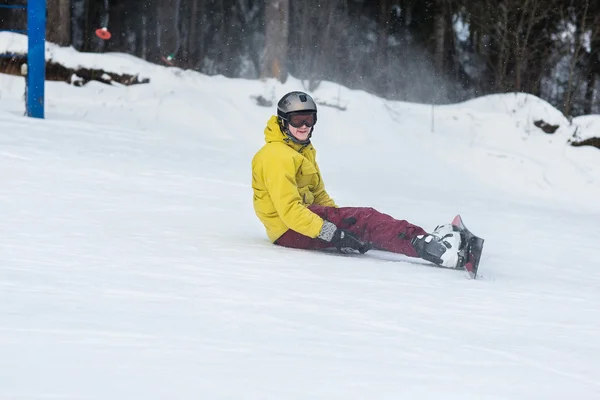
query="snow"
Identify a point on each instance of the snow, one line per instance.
(133, 266)
(69, 57)
(588, 126)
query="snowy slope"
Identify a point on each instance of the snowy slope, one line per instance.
(132, 265)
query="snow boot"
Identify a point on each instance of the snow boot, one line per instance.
(441, 246)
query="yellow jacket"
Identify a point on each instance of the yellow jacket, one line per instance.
(286, 180)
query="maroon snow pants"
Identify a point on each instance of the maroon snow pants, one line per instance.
(381, 230)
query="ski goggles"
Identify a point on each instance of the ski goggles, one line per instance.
(298, 120)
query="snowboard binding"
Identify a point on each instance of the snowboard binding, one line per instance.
(451, 246)
(441, 246)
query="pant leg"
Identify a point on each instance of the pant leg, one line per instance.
(370, 225)
(297, 240)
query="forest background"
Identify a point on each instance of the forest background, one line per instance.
(431, 51)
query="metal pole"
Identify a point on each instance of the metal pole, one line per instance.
(36, 57)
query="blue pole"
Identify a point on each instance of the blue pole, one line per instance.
(36, 57)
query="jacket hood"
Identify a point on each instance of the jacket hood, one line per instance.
(273, 133)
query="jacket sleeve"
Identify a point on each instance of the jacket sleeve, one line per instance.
(322, 198)
(279, 174)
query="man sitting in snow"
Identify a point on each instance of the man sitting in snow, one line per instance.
(291, 201)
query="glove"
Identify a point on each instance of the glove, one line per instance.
(347, 242)
(343, 240)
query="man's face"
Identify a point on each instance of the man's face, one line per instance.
(300, 124)
(300, 133)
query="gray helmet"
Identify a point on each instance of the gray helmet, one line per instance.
(295, 102)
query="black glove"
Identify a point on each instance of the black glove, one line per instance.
(343, 240)
(347, 242)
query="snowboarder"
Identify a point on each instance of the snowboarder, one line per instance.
(291, 201)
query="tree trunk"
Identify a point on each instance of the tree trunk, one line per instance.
(58, 24)
(276, 40)
(439, 35)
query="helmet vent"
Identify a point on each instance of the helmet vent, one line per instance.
(302, 98)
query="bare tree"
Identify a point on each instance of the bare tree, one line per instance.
(276, 40)
(517, 35)
(521, 36)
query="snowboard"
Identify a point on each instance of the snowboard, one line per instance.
(472, 247)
